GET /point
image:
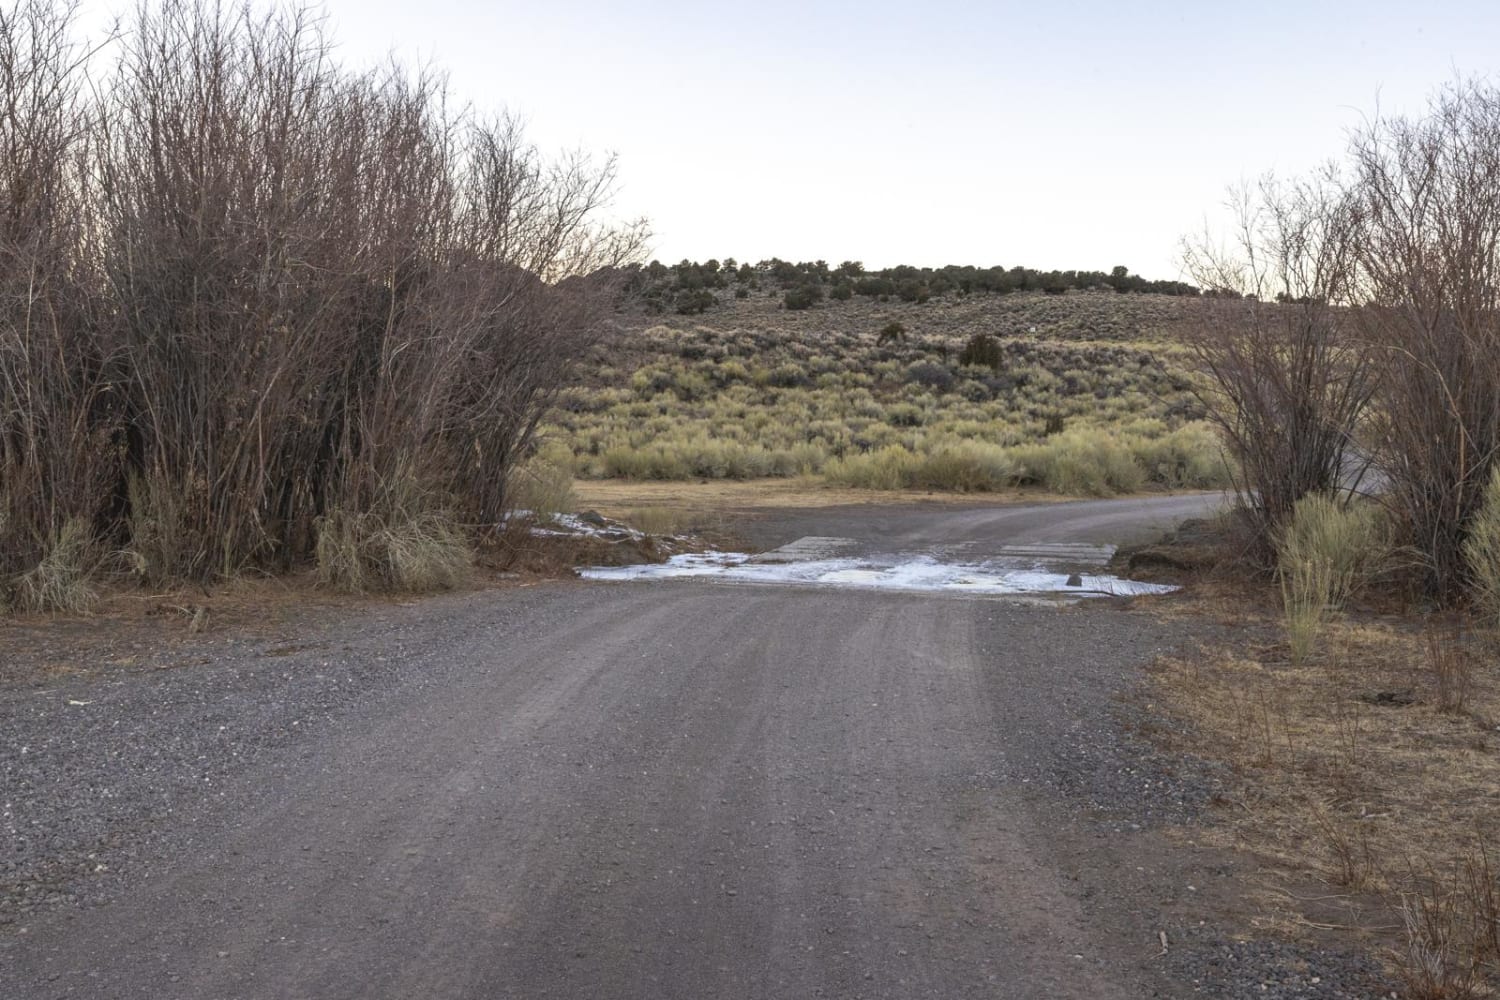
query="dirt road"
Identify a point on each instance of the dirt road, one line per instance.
(618, 791)
(979, 532)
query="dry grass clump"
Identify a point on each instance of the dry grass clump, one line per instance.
(655, 520)
(1079, 462)
(61, 580)
(1452, 662)
(543, 484)
(1325, 552)
(161, 542)
(404, 542)
(1083, 462)
(963, 467)
(1190, 457)
(891, 468)
(726, 501)
(697, 456)
(1356, 768)
(1481, 552)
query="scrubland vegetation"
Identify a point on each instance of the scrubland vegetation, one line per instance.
(1077, 393)
(260, 310)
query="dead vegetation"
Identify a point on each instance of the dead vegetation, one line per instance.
(249, 298)
(1286, 379)
(1366, 781)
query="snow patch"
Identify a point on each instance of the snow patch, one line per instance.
(918, 574)
(574, 525)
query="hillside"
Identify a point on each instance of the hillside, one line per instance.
(1079, 393)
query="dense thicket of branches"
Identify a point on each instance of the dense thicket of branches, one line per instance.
(1288, 380)
(249, 295)
(1383, 341)
(1427, 195)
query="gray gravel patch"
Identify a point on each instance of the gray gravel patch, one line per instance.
(104, 776)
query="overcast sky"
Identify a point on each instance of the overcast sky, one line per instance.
(1054, 135)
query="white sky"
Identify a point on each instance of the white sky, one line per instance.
(1054, 135)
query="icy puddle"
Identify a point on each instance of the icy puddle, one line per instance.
(920, 574)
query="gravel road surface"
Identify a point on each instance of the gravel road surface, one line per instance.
(977, 533)
(630, 790)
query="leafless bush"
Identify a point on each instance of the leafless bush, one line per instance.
(1352, 863)
(1285, 382)
(58, 417)
(1481, 888)
(1451, 930)
(1427, 203)
(270, 289)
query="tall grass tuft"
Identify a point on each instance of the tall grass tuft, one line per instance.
(1481, 551)
(61, 581)
(543, 485)
(891, 468)
(161, 543)
(404, 542)
(1325, 552)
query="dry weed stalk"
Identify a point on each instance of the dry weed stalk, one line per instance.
(1451, 663)
(1354, 865)
(1451, 930)
(1347, 724)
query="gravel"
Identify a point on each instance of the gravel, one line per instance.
(109, 774)
(107, 768)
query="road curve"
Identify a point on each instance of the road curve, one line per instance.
(980, 532)
(651, 791)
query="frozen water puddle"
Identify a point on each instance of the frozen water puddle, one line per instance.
(817, 562)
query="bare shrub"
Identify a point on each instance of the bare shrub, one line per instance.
(245, 291)
(59, 425)
(1432, 964)
(1285, 382)
(1352, 862)
(1481, 887)
(1449, 936)
(1427, 201)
